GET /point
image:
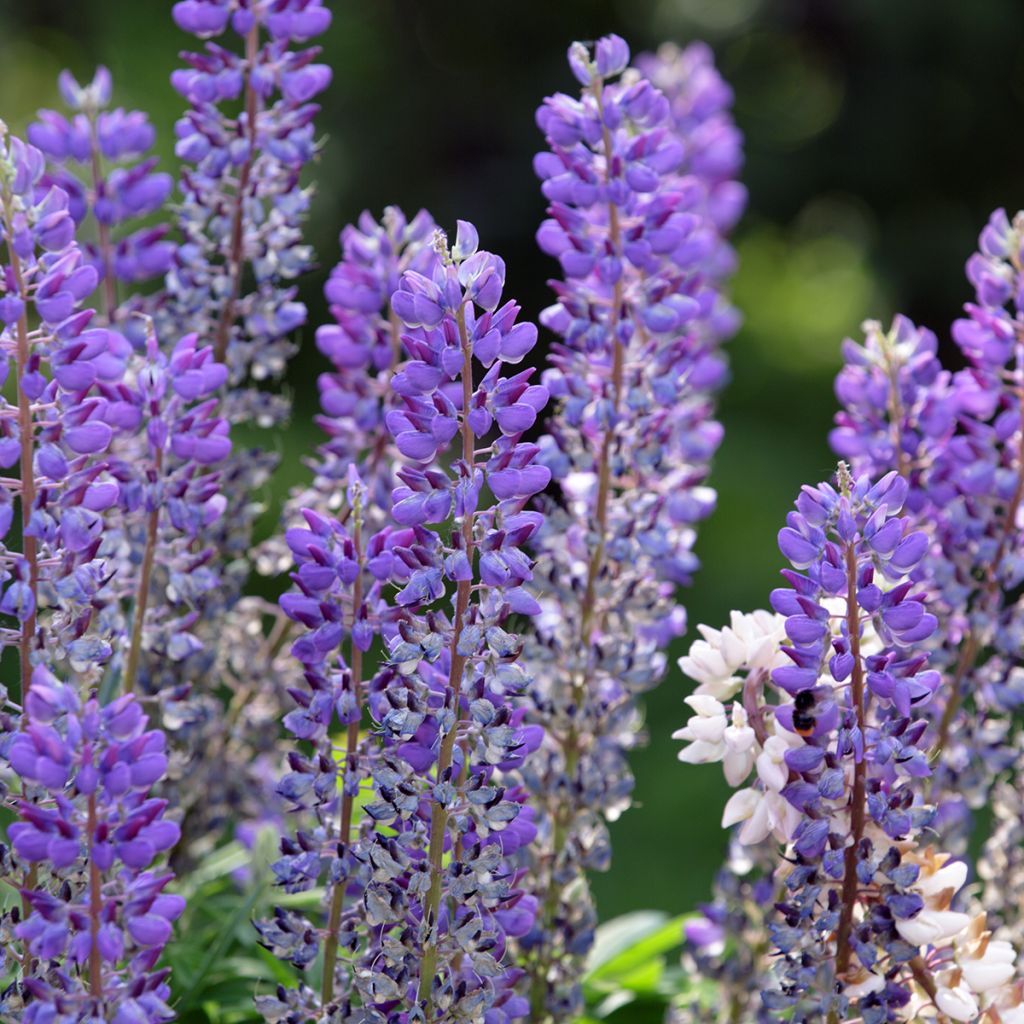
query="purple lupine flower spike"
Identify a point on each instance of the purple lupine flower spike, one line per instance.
(639, 317)
(244, 141)
(422, 895)
(98, 156)
(868, 919)
(58, 426)
(95, 935)
(957, 438)
(364, 347)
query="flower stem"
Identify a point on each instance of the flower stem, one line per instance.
(95, 909)
(858, 798)
(235, 262)
(27, 492)
(142, 597)
(351, 743)
(26, 468)
(457, 665)
(102, 228)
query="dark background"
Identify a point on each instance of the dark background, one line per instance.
(880, 133)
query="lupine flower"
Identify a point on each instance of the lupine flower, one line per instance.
(957, 438)
(363, 345)
(94, 936)
(57, 426)
(98, 156)
(639, 318)
(244, 206)
(245, 141)
(867, 923)
(169, 497)
(701, 102)
(448, 812)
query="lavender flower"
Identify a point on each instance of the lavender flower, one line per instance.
(364, 347)
(639, 317)
(430, 865)
(57, 426)
(93, 936)
(112, 196)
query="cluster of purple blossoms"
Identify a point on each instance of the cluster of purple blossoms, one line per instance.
(155, 455)
(169, 498)
(98, 157)
(93, 919)
(91, 935)
(639, 318)
(244, 205)
(957, 437)
(364, 347)
(490, 726)
(245, 141)
(56, 424)
(876, 763)
(701, 104)
(421, 894)
(868, 920)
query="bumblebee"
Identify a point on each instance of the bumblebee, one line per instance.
(803, 719)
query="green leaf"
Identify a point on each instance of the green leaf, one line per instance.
(626, 943)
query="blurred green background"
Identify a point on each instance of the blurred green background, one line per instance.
(879, 135)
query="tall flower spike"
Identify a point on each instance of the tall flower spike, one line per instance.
(94, 934)
(364, 347)
(340, 573)
(639, 317)
(98, 156)
(957, 437)
(57, 427)
(461, 754)
(244, 207)
(863, 926)
(245, 141)
(422, 896)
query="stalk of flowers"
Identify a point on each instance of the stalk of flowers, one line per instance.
(96, 911)
(55, 427)
(958, 439)
(244, 206)
(169, 498)
(233, 283)
(364, 347)
(241, 252)
(99, 158)
(865, 925)
(462, 671)
(436, 887)
(701, 102)
(630, 443)
(342, 569)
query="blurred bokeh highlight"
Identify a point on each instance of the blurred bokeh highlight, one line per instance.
(879, 135)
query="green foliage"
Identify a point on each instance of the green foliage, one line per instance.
(633, 973)
(216, 963)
